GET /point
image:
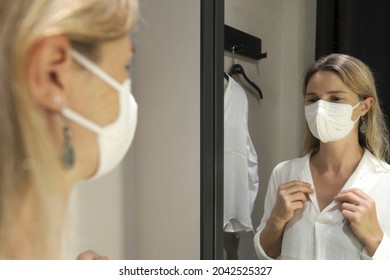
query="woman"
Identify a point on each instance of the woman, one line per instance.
(66, 113)
(332, 203)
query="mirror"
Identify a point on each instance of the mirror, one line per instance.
(275, 123)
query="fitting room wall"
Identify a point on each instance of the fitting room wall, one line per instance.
(167, 145)
(276, 125)
(149, 207)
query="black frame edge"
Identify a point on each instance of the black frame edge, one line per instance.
(211, 169)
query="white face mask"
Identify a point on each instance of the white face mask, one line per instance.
(114, 139)
(329, 121)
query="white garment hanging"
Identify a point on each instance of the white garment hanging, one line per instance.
(241, 178)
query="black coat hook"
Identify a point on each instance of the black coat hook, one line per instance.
(241, 43)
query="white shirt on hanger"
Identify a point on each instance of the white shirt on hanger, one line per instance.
(312, 234)
(240, 162)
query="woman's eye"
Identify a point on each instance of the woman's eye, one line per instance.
(311, 100)
(335, 99)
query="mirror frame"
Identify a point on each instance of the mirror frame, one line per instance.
(211, 123)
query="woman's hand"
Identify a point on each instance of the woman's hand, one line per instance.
(359, 209)
(291, 197)
(91, 255)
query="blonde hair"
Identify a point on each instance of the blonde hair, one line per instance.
(358, 77)
(29, 163)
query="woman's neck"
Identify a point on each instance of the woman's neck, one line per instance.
(338, 157)
(34, 232)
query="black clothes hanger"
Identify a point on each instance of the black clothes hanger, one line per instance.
(237, 69)
(226, 76)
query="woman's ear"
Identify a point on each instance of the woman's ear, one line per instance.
(48, 69)
(366, 105)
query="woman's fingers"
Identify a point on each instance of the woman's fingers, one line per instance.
(291, 196)
(345, 206)
(91, 255)
(347, 197)
(298, 196)
(353, 196)
(295, 186)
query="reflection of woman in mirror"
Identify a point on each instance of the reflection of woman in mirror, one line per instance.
(66, 112)
(332, 203)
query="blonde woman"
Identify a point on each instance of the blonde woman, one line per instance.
(332, 203)
(66, 113)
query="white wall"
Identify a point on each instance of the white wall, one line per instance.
(97, 218)
(167, 143)
(276, 125)
(149, 207)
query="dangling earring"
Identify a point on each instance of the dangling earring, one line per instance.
(68, 152)
(363, 126)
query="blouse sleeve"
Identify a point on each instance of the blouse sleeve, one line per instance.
(382, 252)
(269, 203)
(259, 249)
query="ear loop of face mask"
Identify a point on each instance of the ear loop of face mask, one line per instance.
(353, 108)
(70, 114)
(96, 70)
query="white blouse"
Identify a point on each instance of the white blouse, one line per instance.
(241, 179)
(315, 234)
